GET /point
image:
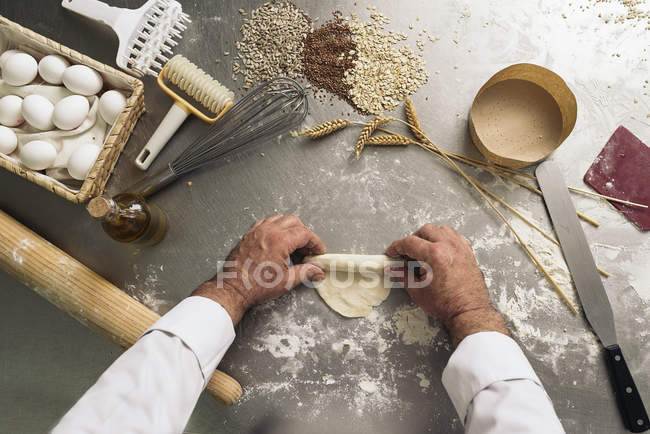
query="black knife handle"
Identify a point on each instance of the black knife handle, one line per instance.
(627, 395)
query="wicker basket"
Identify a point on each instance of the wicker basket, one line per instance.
(114, 142)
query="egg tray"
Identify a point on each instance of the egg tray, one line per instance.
(14, 35)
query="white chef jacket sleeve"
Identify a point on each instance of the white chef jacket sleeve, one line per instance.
(495, 390)
(154, 386)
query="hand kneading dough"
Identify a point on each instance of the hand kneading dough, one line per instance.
(353, 284)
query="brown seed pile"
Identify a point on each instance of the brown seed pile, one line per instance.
(272, 43)
(329, 52)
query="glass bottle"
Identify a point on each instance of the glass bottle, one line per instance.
(128, 218)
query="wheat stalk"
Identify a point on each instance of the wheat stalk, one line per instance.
(325, 128)
(390, 140)
(412, 117)
(366, 132)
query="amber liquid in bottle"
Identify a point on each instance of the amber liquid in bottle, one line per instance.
(128, 218)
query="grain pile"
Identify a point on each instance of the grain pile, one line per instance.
(272, 43)
(357, 61)
(383, 75)
(329, 53)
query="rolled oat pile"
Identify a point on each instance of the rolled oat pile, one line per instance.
(383, 74)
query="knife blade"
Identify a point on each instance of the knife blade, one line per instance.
(591, 291)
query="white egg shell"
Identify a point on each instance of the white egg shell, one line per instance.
(19, 69)
(51, 68)
(4, 56)
(38, 154)
(38, 112)
(70, 112)
(111, 105)
(82, 160)
(82, 80)
(11, 113)
(8, 140)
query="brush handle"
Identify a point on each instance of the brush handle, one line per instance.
(95, 10)
(169, 125)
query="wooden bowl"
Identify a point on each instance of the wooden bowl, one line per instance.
(521, 115)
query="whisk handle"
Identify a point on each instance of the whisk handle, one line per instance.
(154, 183)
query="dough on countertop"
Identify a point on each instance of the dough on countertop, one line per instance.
(353, 284)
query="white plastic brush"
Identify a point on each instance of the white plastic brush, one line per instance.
(144, 33)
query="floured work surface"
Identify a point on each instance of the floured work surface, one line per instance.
(622, 170)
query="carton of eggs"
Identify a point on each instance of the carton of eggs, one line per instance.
(8, 140)
(11, 111)
(82, 80)
(38, 112)
(19, 69)
(38, 154)
(70, 112)
(82, 160)
(51, 68)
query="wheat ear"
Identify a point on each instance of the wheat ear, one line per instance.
(366, 132)
(325, 128)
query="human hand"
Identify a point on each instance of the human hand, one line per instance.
(259, 268)
(452, 288)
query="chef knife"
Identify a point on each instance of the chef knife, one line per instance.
(591, 291)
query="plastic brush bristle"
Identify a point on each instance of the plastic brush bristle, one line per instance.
(162, 24)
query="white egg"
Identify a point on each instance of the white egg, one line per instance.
(82, 80)
(82, 160)
(51, 68)
(19, 69)
(70, 112)
(38, 112)
(4, 56)
(38, 154)
(111, 105)
(8, 140)
(11, 114)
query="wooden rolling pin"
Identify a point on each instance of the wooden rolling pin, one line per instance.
(85, 295)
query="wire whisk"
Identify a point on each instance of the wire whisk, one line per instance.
(266, 111)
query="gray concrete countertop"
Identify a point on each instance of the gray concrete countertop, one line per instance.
(303, 367)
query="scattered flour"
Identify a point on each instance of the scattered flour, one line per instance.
(299, 345)
(23, 245)
(527, 307)
(147, 289)
(368, 386)
(413, 327)
(424, 381)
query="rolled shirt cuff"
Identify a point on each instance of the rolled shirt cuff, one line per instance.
(480, 360)
(205, 328)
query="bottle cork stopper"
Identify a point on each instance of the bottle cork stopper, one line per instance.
(99, 206)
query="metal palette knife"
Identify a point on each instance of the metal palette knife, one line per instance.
(591, 291)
